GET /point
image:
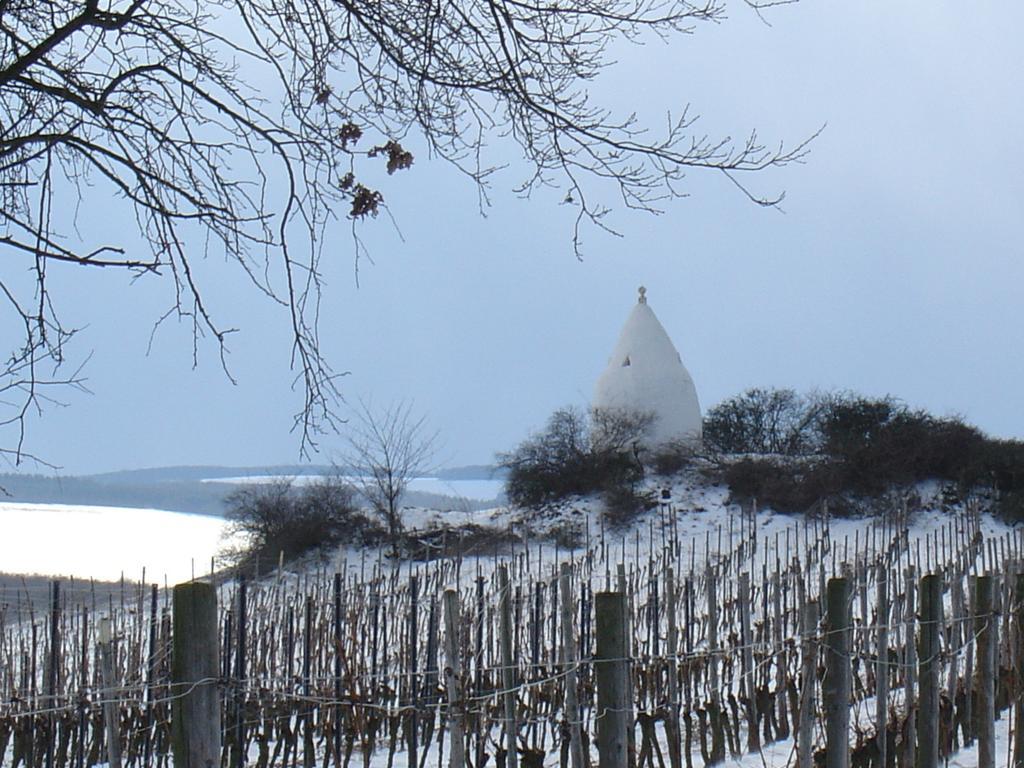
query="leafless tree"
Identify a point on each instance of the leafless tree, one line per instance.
(387, 448)
(246, 128)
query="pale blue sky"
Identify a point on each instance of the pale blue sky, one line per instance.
(896, 268)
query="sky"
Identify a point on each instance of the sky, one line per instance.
(894, 268)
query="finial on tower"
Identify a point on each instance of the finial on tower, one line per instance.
(643, 295)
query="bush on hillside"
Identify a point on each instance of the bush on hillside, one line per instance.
(764, 421)
(623, 504)
(269, 521)
(861, 446)
(578, 453)
(671, 458)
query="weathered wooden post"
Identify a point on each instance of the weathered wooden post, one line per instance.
(882, 662)
(715, 705)
(837, 684)
(627, 691)
(748, 685)
(1018, 663)
(453, 680)
(672, 720)
(984, 630)
(53, 671)
(109, 695)
(412, 639)
(929, 665)
(910, 669)
(808, 666)
(508, 672)
(572, 708)
(610, 663)
(338, 651)
(241, 673)
(195, 713)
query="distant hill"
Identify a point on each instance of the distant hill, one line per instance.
(181, 489)
(174, 495)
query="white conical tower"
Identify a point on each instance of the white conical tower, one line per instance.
(646, 374)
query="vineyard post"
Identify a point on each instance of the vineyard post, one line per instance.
(481, 736)
(910, 669)
(717, 729)
(929, 664)
(611, 668)
(882, 662)
(508, 677)
(338, 651)
(109, 706)
(984, 629)
(1018, 660)
(240, 672)
(748, 686)
(150, 672)
(627, 639)
(572, 708)
(84, 667)
(195, 709)
(413, 689)
(308, 741)
(453, 680)
(837, 684)
(970, 633)
(53, 670)
(809, 665)
(672, 721)
(956, 636)
(781, 661)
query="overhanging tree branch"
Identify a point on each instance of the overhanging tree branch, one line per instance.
(245, 128)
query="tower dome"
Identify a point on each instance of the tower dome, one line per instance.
(646, 374)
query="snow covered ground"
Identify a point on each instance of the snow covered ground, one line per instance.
(106, 542)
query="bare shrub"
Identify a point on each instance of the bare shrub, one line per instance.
(578, 453)
(764, 421)
(281, 520)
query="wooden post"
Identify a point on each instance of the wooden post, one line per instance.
(508, 673)
(109, 696)
(882, 662)
(627, 635)
(53, 670)
(150, 673)
(715, 706)
(748, 685)
(240, 673)
(609, 660)
(453, 680)
(572, 708)
(672, 720)
(910, 669)
(412, 721)
(338, 651)
(195, 713)
(308, 742)
(836, 685)
(1018, 662)
(929, 665)
(985, 682)
(808, 667)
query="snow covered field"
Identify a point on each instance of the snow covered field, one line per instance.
(106, 542)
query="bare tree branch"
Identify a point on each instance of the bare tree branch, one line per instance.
(245, 128)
